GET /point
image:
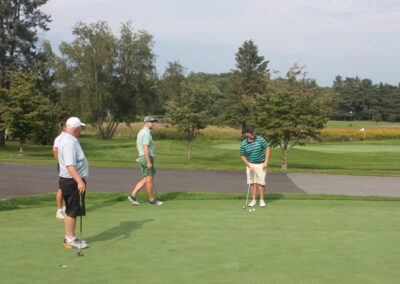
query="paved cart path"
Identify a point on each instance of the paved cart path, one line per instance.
(19, 180)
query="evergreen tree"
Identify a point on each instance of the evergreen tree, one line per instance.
(247, 81)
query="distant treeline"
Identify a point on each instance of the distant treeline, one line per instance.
(360, 99)
(353, 98)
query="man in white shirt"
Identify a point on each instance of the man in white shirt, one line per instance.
(74, 171)
(59, 200)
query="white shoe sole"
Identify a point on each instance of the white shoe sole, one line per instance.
(134, 202)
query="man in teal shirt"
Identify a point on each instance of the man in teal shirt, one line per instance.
(255, 153)
(145, 148)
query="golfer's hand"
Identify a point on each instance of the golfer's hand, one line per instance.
(265, 165)
(82, 187)
(251, 169)
(149, 165)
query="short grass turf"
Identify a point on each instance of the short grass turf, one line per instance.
(208, 241)
(380, 158)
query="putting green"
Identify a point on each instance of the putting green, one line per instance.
(208, 241)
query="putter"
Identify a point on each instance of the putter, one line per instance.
(80, 230)
(247, 197)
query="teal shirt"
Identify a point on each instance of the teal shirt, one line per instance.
(255, 150)
(144, 138)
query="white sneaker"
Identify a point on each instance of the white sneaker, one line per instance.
(252, 203)
(60, 214)
(262, 203)
(75, 243)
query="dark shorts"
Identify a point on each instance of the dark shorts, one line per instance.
(71, 196)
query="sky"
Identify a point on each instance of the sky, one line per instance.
(343, 37)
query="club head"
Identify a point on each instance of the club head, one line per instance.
(79, 253)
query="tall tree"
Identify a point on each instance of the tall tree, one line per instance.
(170, 87)
(136, 76)
(247, 81)
(109, 77)
(20, 22)
(292, 109)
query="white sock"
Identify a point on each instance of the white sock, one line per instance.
(70, 239)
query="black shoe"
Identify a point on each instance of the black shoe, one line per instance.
(132, 199)
(156, 202)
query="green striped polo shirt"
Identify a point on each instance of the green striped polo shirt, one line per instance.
(254, 150)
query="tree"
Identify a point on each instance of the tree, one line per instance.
(107, 79)
(189, 112)
(44, 71)
(20, 22)
(217, 84)
(25, 109)
(247, 81)
(135, 72)
(292, 109)
(170, 87)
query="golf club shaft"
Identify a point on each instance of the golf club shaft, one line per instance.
(80, 226)
(247, 197)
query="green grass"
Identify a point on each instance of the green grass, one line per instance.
(189, 240)
(357, 124)
(354, 158)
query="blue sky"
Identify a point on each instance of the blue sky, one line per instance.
(343, 37)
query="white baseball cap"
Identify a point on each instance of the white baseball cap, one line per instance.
(74, 122)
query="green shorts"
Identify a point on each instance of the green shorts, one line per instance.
(143, 166)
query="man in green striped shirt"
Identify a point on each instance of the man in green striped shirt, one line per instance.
(255, 153)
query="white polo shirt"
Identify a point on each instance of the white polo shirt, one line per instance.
(57, 140)
(70, 153)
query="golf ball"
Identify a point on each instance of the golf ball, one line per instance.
(250, 210)
(254, 209)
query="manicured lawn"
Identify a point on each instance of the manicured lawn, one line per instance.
(208, 241)
(357, 124)
(357, 158)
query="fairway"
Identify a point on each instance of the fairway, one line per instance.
(347, 147)
(350, 148)
(208, 241)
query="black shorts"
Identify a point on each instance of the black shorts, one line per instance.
(71, 196)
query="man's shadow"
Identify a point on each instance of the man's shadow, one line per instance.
(122, 231)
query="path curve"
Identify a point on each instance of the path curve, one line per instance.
(21, 180)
